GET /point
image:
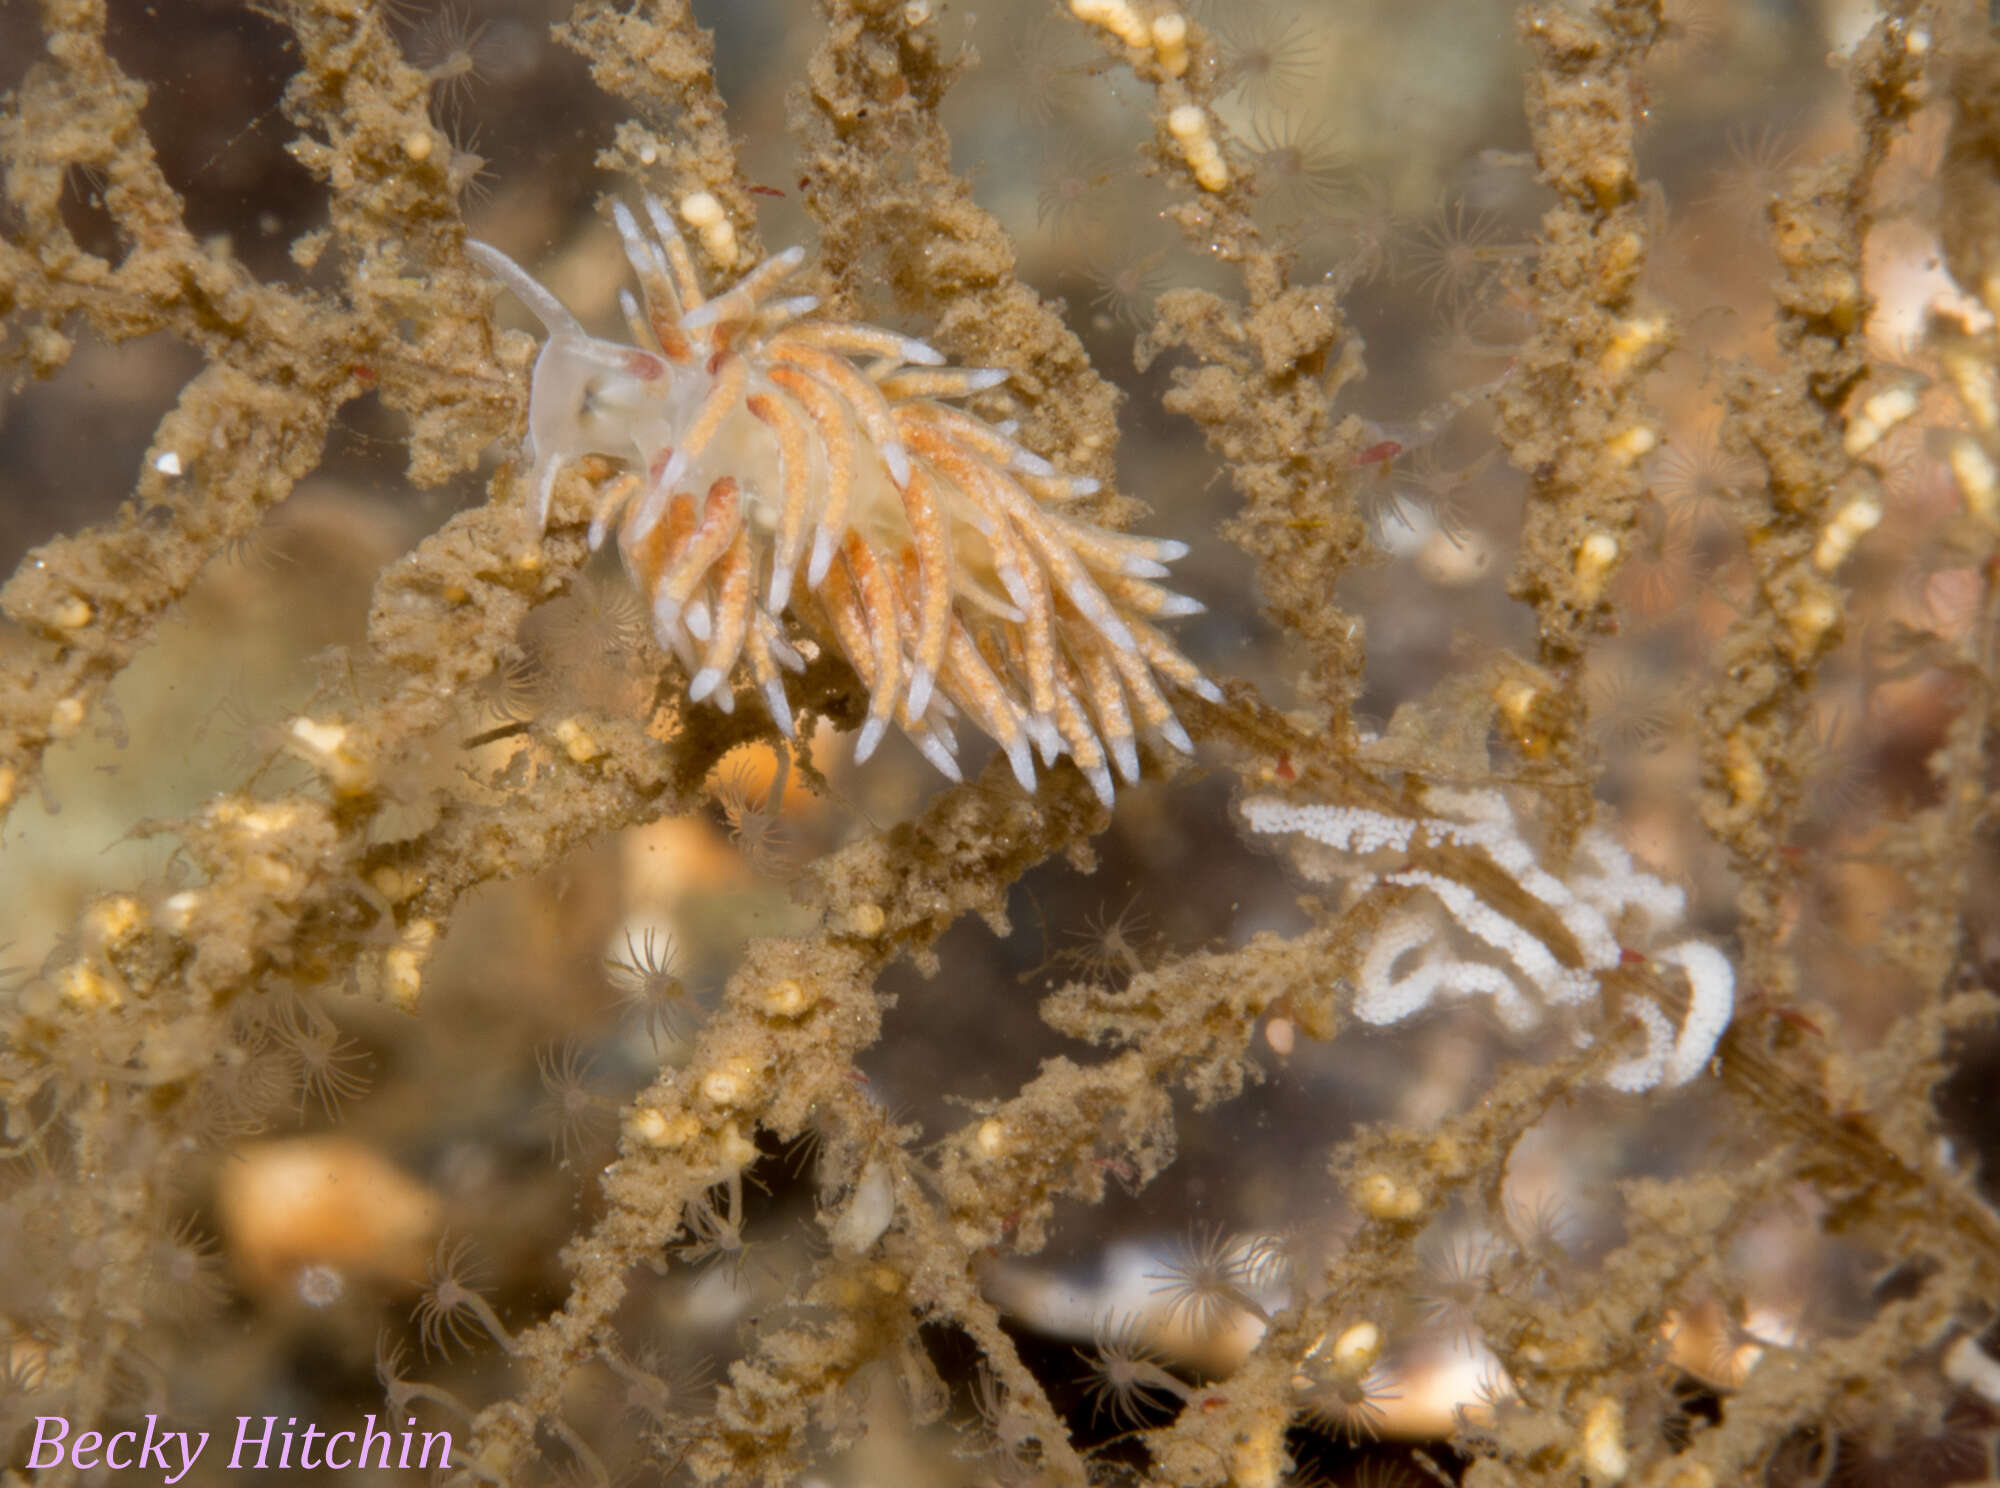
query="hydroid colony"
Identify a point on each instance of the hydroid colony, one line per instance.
(180, 995)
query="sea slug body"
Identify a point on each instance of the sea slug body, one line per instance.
(790, 477)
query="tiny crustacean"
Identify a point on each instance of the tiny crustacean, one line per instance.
(765, 444)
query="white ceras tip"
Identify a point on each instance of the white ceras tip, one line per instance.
(1022, 761)
(780, 706)
(666, 618)
(792, 307)
(1043, 731)
(781, 589)
(1126, 753)
(942, 759)
(664, 226)
(1100, 782)
(637, 248)
(821, 560)
(922, 680)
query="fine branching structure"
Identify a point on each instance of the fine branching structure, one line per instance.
(1488, 979)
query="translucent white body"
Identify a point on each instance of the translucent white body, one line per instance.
(788, 476)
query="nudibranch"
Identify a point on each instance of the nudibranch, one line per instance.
(791, 478)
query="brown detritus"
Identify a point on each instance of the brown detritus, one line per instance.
(1969, 177)
(280, 365)
(1571, 411)
(663, 65)
(1794, 422)
(878, 180)
(1262, 394)
(147, 1039)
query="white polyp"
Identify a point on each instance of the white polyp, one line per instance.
(780, 706)
(868, 1212)
(1174, 606)
(922, 680)
(897, 459)
(1176, 736)
(1201, 687)
(695, 617)
(1140, 567)
(919, 353)
(725, 701)
(871, 735)
(705, 681)
(1168, 549)
(1086, 485)
(1126, 755)
(978, 380)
